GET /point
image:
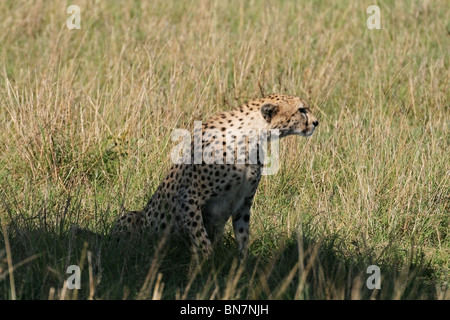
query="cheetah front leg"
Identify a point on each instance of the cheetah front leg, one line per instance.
(241, 222)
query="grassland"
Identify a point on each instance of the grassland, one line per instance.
(86, 118)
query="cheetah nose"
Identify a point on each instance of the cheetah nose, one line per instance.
(316, 123)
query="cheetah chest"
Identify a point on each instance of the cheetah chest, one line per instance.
(228, 203)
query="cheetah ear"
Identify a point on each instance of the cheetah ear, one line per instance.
(268, 110)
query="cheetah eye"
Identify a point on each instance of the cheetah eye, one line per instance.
(302, 110)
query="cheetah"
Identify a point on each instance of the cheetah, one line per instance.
(197, 198)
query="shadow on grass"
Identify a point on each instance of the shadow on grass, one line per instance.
(322, 268)
(303, 267)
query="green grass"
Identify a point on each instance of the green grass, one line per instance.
(87, 116)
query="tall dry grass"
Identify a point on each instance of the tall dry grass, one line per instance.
(87, 117)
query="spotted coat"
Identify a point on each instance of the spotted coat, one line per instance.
(197, 198)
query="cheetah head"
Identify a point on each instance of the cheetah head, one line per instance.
(290, 116)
